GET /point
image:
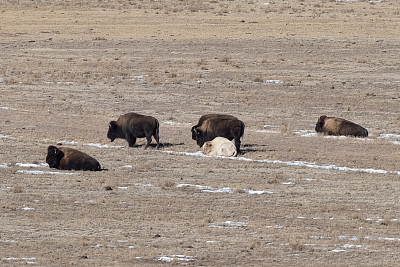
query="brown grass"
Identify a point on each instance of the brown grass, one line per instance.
(70, 67)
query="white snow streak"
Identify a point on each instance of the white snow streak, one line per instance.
(44, 172)
(290, 163)
(175, 257)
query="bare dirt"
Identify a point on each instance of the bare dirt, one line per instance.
(291, 197)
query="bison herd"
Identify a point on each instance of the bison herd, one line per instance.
(213, 133)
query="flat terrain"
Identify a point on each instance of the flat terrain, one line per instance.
(292, 197)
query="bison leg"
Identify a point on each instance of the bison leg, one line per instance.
(157, 138)
(131, 141)
(237, 144)
(148, 138)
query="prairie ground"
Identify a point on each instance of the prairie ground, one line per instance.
(292, 197)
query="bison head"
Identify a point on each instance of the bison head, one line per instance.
(194, 134)
(320, 124)
(199, 136)
(207, 147)
(112, 131)
(54, 156)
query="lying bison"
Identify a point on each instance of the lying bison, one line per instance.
(131, 126)
(219, 146)
(65, 158)
(339, 126)
(208, 116)
(215, 126)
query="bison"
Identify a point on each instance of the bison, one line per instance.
(64, 158)
(220, 146)
(131, 126)
(215, 126)
(339, 126)
(208, 116)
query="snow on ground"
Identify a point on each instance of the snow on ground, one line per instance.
(210, 189)
(176, 123)
(103, 146)
(175, 258)
(228, 224)
(290, 163)
(22, 260)
(45, 172)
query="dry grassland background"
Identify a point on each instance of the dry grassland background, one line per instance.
(291, 198)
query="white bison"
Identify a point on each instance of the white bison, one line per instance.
(220, 146)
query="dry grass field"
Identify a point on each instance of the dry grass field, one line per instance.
(292, 197)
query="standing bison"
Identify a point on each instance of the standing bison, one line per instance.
(217, 126)
(131, 126)
(65, 158)
(208, 116)
(339, 126)
(219, 146)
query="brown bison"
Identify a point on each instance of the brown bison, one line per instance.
(208, 116)
(131, 126)
(214, 127)
(339, 126)
(64, 158)
(219, 146)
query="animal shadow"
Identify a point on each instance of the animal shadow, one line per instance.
(162, 145)
(246, 148)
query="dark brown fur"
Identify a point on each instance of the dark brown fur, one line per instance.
(339, 126)
(64, 158)
(131, 126)
(214, 127)
(209, 116)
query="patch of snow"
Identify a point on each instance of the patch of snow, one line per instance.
(97, 246)
(8, 108)
(26, 208)
(67, 142)
(207, 188)
(256, 192)
(6, 136)
(229, 224)
(127, 166)
(175, 257)
(274, 81)
(337, 250)
(122, 187)
(388, 136)
(32, 165)
(144, 185)
(45, 172)
(270, 126)
(210, 189)
(291, 163)
(176, 123)
(18, 259)
(275, 227)
(8, 241)
(104, 146)
(3, 165)
(266, 131)
(288, 183)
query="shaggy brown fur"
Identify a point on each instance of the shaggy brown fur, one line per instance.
(131, 126)
(339, 126)
(209, 116)
(65, 158)
(213, 127)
